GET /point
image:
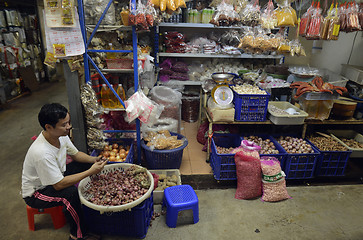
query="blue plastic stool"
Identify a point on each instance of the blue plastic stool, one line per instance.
(179, 198)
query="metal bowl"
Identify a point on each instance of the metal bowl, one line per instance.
(222, 77)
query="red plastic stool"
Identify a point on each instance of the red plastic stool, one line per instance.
(58, 218)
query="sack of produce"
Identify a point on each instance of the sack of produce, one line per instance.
(273, 180)
(248, 169)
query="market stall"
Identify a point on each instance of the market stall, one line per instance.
(151, 67)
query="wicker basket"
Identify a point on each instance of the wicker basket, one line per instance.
(85, 184)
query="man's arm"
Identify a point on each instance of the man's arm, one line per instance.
(70, 180)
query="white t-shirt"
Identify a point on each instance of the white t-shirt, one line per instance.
(45, 164)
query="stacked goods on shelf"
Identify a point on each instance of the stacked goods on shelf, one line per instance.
(333, 157)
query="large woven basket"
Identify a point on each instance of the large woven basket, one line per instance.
(85, 184)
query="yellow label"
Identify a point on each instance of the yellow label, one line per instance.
(336, 30)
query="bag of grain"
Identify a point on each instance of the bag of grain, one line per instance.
(273, 180)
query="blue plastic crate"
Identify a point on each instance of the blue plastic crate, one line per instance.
(129, 223)
(165, 159)
(300, 165)
(250, 107)
(223, 165)
(281, 156)
(120, 141)
(331, 163)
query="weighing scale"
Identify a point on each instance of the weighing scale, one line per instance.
(221, 93)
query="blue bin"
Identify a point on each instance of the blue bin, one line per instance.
(164, 159)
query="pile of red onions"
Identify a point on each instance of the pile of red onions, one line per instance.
(118, 187)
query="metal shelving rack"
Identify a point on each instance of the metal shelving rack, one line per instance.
(88, 61)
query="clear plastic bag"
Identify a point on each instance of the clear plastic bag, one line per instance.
(268, 19)
(313, 31)
(139, 106)
(251, 15)
(225, 15)
(305, 20)
(352, 17)
(286, 16)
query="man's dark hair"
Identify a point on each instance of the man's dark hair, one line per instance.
(51, 113)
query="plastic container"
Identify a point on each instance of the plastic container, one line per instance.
(301, 166)
(350, 134)
(120, 141)
(287, 119)
(223, 165)
(190, 107)
(165, 159)
(250, 107)
(158, 195)
(130, 223)
(317, 105)
(331, 163)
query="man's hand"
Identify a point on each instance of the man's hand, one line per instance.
(97, 167)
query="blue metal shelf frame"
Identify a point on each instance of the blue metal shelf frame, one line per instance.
(88, 60)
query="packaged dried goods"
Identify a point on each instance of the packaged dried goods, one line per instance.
(305, 20)
(251, 15)
(286, 16)
(313, 31)
(352, 17)
(225, 15)
(333, 30)
(268, 19)
(273, 180)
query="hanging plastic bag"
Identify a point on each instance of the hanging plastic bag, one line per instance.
(334, 25)
(140, 18)
(248, 169)
(268, 19)
(163, 5)
(313, 31)
(305, 20)
(285, 15)
(352, 18)
(251, 15)
(170, 5)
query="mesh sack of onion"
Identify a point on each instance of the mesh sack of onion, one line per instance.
(116, 188)
(273, 180)
(248, 170)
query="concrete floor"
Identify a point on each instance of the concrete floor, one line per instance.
(314, 212)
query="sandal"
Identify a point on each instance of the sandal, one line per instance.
(89, 236)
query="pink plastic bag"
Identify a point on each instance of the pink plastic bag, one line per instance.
(248, 168)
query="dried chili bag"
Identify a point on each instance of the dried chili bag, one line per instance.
(273, 180)
(248, 169)
(313, 31)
